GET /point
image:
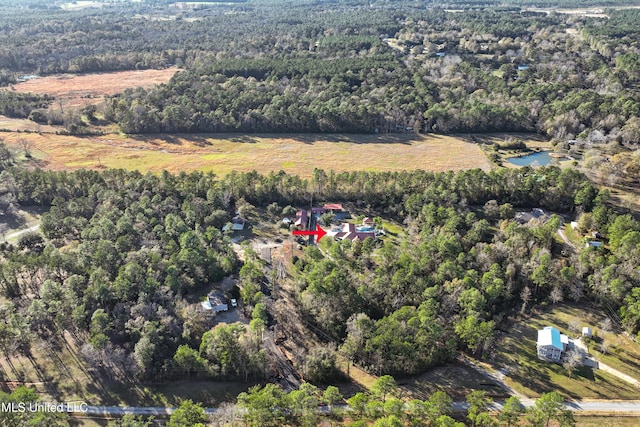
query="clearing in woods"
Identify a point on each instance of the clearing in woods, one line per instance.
(72, 90)
(298, 154)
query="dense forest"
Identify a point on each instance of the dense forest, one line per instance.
(407, 70)
(123, 258)
(121, 250)
(346, 67)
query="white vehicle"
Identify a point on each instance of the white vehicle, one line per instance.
(234, 303)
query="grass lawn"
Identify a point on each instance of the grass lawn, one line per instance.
(573, 235)
(298, 154)
(516, 352)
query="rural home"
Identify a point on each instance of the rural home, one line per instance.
(303, 215)
(337, 209)
(236, 224)
(349, 232)
(593, 244)
(301, 219)
(551, 344)
(367, 222)
(586, 332)
(215, 302)
(525, 217)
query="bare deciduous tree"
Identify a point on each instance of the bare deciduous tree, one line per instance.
(574, 325)
(572, 360)
(525, 295)
(606, 325)
(26, 146)
(556, 295)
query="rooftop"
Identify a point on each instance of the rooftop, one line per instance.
(550, 336)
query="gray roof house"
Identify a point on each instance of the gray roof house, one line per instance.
(215, 302)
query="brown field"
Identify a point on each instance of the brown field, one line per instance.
(73, 90)
(21, 125)
(298, 154)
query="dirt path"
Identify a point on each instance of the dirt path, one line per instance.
(603, 366)
(606, 368)
(21, 232)
(280, 354)
(564, 237)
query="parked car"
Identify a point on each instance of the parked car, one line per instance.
(234, 303)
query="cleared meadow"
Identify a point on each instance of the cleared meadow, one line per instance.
(298, 154)
(71, 90)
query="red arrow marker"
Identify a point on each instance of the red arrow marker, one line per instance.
(319, 233)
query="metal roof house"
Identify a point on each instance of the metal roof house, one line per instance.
(551, 344)
(349, 232)
(236, 224)
(215, 302)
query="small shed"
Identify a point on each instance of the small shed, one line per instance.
(586, 332)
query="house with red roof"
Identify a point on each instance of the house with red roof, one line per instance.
(334, 208)
(350, 232)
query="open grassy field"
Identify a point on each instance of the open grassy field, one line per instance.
(516, 355)
(221, 154)
(72, 90)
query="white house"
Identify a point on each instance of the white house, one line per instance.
(551, 344)
(586, 332)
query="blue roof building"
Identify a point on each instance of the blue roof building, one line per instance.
(551, 344)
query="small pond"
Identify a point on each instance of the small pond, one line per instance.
(536, 159)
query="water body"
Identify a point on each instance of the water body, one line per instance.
(536, 159)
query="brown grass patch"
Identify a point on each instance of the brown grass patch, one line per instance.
(21, 125)
(297, 154)
(73, 90)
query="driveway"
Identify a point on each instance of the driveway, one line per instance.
(591, 361)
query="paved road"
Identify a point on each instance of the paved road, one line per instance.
(605, 406)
